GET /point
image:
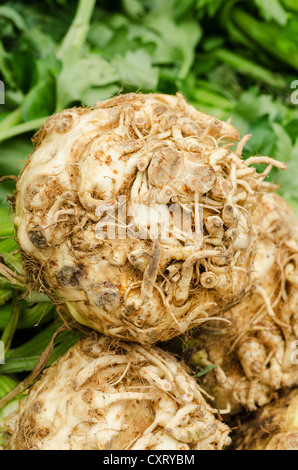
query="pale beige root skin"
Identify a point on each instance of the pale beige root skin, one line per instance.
(156, 150)
(255, 352)
(106, 394)
(274, 427)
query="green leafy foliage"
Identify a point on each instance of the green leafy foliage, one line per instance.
(272, 10)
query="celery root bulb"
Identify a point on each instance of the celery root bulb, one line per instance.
(105, 394)
(256, 354)
(98, 213)
(274, 427)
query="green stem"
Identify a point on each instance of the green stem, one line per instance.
(267, 36)
(226, 21)
(12, 15)
(9, 331)
(15, 117)
(22, 128)
(207, 369)
(207, 97)
(6, 224)
(6, 385)
(245, 66)
(76, 35)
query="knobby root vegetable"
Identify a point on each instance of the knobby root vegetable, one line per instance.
(256, 354)
(274, 427)
(106, 394)
(136, 215)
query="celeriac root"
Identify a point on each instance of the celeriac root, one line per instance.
(154, 159)
(256, 353)
(109, 395)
